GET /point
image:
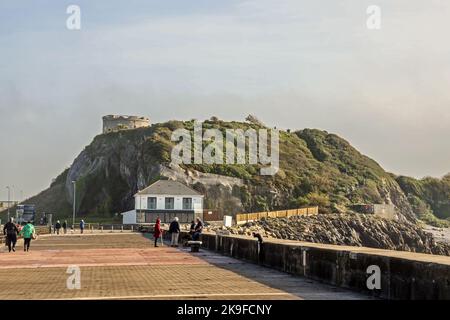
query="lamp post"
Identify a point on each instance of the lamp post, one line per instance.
(9, 196)
(74, 202)
(13, 197)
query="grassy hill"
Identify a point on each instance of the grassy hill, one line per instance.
(316, 168)
(429, 198)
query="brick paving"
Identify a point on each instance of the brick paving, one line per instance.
(126, 266)
(98, 257)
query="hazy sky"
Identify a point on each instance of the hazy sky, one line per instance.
(293, 63)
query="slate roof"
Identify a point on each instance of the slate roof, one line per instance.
(169, 187)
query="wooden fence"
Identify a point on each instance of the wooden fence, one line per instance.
(246, 217)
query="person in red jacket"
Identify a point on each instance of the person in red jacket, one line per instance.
(158, 232)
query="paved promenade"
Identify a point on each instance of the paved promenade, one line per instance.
(126, 266)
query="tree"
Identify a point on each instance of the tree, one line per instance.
(253, 119)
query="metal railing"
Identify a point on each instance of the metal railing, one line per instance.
(100, 227)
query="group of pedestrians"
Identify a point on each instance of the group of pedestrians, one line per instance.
(12, 231)
(64, 225)
(174, 229)
(58, 226)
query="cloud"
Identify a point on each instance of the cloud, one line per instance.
(293, 63)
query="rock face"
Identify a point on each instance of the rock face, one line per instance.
(316, 168)
(137, 175)
(352, 230)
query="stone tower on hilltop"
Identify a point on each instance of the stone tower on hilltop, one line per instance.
(114, 123)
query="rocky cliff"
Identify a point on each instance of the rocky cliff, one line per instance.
(348, 229)
(316, 168)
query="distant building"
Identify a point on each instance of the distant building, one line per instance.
(4, 205)
(129, 217)
(114, 123)
(381, 210)
(166, 199)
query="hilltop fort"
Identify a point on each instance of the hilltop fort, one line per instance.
(114, 123)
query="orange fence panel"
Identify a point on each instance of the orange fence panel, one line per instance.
(245, 217)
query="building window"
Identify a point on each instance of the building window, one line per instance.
(187, 203)
(151, 203)
(170, 203)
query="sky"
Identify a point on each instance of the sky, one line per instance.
(294, 64)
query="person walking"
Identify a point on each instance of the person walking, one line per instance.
(174, 230)
(198, 230)
(64, 225)
(158, 232)
(82, 224)
(28, 233)
(57, 227)
(10, 231)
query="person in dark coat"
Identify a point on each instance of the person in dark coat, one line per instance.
(174, 230)
(11, 232)
(198, 230)
(158, 232)
(57, 227)
(64, 225)
(82, 224)
(192, 229)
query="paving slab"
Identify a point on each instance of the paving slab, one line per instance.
(127, 266)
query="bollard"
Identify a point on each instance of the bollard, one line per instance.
(121, 229)
(195, 245)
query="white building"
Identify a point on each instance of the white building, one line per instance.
(165, 199)
(129, 217)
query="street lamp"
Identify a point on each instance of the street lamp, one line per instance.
(9, 196)
(74, 202)
(13, 193)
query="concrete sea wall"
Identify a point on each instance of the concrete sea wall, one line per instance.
(403, 275)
